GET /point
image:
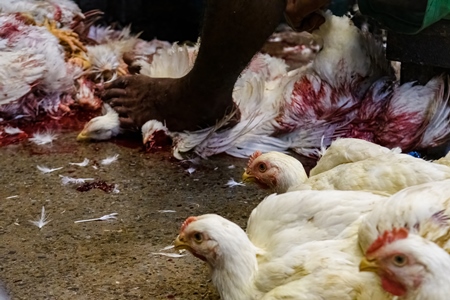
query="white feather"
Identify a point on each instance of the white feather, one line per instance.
(84, 163)
(19, 71)
(42, 138)
(66, 180)
(173, 255)
(109, 160)
(46, 170)
(190, 170)
(233, 183)
(42, 221)
(12, 130)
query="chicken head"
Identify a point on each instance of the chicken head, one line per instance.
(209, 237)
(101, 127)
(407, 264)
(275, 171)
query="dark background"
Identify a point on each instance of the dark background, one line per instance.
(169, 20)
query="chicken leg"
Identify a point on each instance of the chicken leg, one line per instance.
(75, 50)
(66, 37)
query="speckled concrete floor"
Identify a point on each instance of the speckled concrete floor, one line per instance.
(108, 259)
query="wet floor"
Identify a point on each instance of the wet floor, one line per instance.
(109, 259)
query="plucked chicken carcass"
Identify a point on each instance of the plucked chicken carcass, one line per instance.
(366, 167)
(410, 266)
(295, 248)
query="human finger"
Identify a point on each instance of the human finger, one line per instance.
(116, 102)
(122, 111)
(127, 123)
(129, 57)
(114, 93)
(120, 83)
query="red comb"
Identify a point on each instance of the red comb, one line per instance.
(253, 157)
(387, 238)
(187, 222)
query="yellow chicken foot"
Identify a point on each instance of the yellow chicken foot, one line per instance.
(80, 59)
(66, 37)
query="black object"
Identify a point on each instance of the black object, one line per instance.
(174, 20)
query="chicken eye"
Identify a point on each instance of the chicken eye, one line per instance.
(262, 167)
(198, 237)
(399, 260)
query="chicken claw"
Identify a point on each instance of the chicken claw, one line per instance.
(80, 59)
(67, 37)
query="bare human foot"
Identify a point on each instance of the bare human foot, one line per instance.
(140, 98)
(233, 31)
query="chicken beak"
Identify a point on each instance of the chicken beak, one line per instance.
(247, 177)
(82, 137)
(180, 243)
(368, 265)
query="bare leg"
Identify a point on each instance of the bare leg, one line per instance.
(234, 30)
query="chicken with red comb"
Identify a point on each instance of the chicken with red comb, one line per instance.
(367, 167)
(422, 209)
(409, 266)
(297, 246)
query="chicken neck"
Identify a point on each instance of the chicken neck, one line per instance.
(234, 272)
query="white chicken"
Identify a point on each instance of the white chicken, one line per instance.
(274, 171)
(22, 70)
(423, 210)
(409, 266)
(106, 58)
(96, 129)
(293, 248)
(386, 173)
(348, 150)
(307, 108)
(62, 11)
(53, 78)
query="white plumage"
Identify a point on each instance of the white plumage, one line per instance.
(365, 167)
(422, 209)
(62, 11)
(410, 267)
(21, 70)
(102, 127)
(348, 150)
(296, 248)
(307, 108)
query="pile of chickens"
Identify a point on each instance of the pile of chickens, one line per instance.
(383, 233)
(53, 61)
(346, 90)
